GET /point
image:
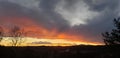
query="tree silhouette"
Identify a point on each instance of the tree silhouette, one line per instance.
(1, 34)
(113, 37)
(16, 34)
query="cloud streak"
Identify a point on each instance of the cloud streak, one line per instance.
(41, 42)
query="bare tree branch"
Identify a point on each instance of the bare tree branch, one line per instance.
(16, 34)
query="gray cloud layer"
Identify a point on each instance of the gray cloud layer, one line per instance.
(81, 17)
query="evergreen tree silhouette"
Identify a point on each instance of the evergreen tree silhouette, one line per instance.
(113, 37)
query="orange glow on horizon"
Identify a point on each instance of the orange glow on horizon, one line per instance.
(35, 30)
(56, 42)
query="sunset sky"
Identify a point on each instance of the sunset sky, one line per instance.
(60, 21)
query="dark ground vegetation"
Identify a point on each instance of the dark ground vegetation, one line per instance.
(61, 52)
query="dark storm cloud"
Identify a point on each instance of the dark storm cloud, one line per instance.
(53, 19)
(107, 10)
(96, 25)
(9, 9)
(103, 22)
(100, 5)
(49, 18)
(48, 5)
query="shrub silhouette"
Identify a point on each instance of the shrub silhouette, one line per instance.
(113, 37)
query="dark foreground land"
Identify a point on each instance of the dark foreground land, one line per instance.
(61, 52)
